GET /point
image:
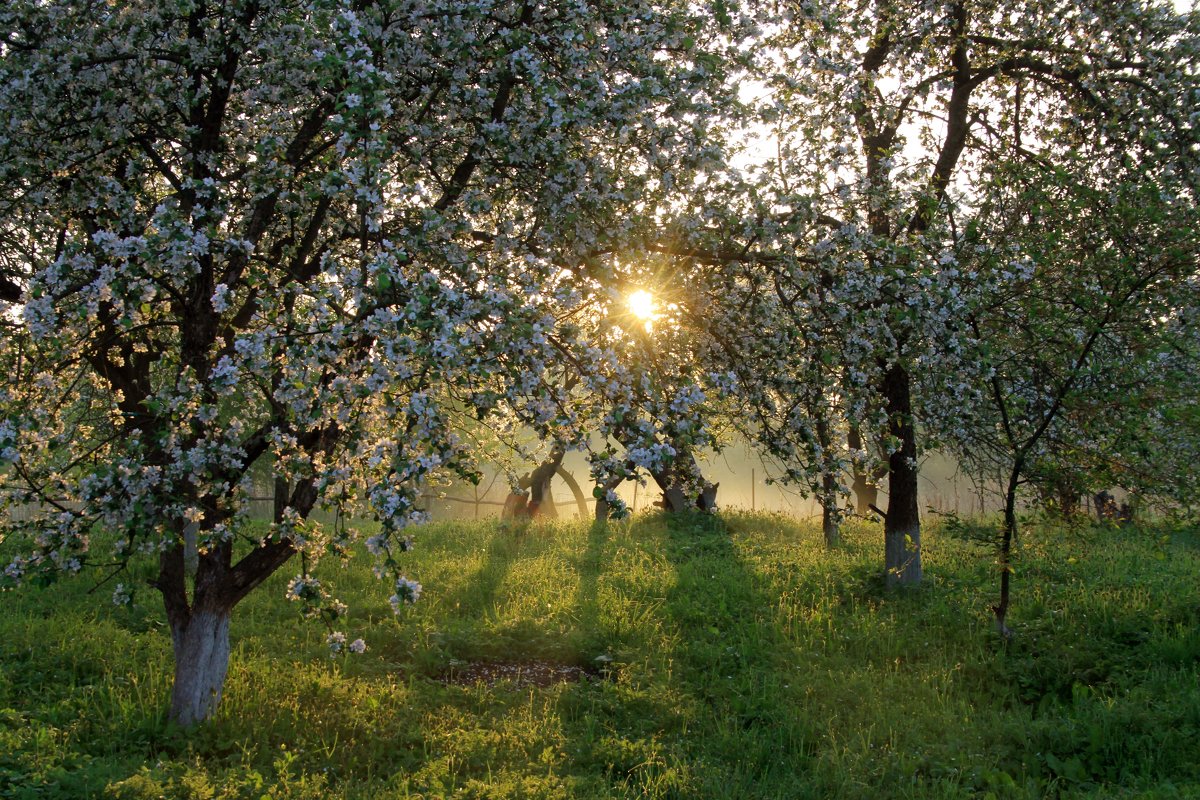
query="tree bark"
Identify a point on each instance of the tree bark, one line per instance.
(541, 500)
(865, 486)
(201, 645)
(830, 527)
(602, 505)
(1066, 494)
(191, 544)
(831, 515)
(682, 473)
(200, 630)
(902, 527)
(866, 494)
(1010, 532)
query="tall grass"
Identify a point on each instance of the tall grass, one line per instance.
(730, 657)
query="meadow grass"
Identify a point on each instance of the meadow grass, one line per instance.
(740, 660)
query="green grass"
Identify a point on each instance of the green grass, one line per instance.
(746, 662)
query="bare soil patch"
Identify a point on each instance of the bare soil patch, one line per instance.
(521, 674)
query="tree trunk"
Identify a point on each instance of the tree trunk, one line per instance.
(675, 481)
(830, 513)
(200, 631)
(201, 647)
(673, 498)
(191, 548)
(541, 501)
(902, 527)
(865, 486)
(602, 506)
(866, 494)
(830, 527)
(1010, 531)
(1068, 498)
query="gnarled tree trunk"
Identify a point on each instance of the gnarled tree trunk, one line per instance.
(675, 480)
(864, 486)
(541, 501)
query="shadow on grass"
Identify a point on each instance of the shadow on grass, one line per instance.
(479, 596)
(715, 715)
(737, 662)
(590, 565)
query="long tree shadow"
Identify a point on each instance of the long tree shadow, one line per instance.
(590, 565)
(478, 595)
(714, 713)
(505, 606)
(737, 662)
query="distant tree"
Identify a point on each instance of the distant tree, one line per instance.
(1073, 325)
(890, 118)
(311, 234)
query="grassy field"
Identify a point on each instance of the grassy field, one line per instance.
(746, 661)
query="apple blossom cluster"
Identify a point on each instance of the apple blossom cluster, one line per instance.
(407, 593)
(337, 644)
(122, 595)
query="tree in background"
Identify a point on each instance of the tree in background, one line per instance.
(310, 234)
(890, 117)
(1074, 327)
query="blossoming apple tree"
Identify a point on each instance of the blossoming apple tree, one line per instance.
(889, 116)
(310, 234)
(1076, 354)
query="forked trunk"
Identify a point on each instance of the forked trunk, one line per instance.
(679, 480)
(201, 661)
(902, 527)
(541, 499)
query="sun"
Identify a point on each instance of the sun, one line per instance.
(641, 305)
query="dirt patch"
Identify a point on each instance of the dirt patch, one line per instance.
(520, 674)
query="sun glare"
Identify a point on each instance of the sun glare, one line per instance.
(641, 305)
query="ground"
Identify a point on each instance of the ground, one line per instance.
(699, 658)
